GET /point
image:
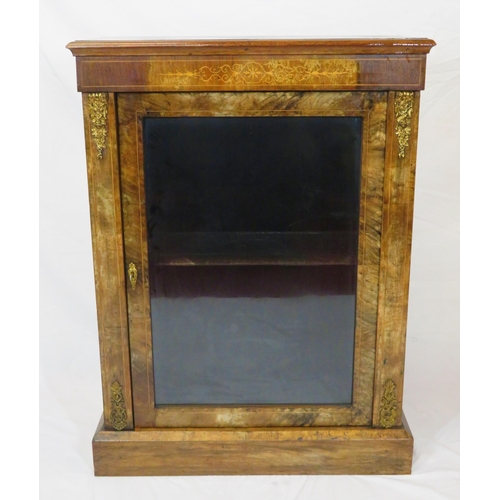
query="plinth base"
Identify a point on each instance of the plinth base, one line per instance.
(263, 451)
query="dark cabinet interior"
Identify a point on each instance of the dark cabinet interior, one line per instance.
(252, 233)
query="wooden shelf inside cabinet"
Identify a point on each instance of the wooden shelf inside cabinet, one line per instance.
(265, 248)
(251, 206)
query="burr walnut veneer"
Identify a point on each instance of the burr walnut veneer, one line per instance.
(251, 205)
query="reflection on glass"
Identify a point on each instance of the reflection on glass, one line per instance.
(252, 233)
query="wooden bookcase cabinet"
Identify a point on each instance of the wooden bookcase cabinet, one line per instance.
(124, 82)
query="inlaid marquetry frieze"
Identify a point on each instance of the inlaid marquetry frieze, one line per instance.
(98, 111)
(281, 72)
(404, 110)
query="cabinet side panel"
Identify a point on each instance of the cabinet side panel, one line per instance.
(107, 243)
(397, 219)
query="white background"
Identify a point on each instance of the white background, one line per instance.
(70, 391)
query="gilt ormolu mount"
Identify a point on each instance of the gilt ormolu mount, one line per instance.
(251, 206)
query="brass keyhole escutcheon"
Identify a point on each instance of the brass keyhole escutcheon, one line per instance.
(132, 275)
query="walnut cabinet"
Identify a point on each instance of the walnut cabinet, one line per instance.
(251, 205)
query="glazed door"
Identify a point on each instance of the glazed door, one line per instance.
(252, 236)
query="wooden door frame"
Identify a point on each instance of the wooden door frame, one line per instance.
(132, 108)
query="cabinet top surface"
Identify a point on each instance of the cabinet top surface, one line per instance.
(251, 46)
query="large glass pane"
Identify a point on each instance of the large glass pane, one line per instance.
(252, 234)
